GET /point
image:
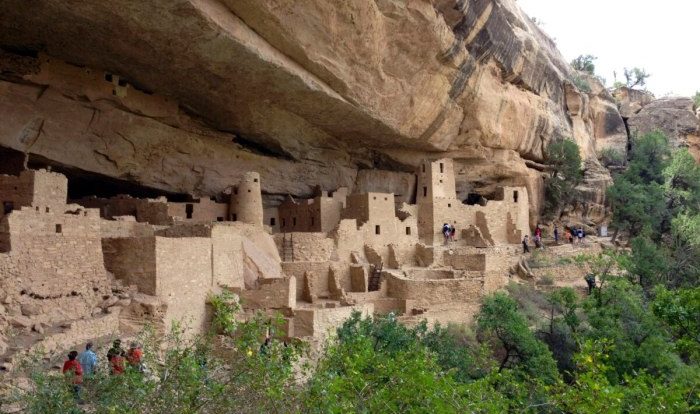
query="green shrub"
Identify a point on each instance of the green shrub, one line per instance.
(546, 280)
(581, 83)
(696, 99)
(611, 157)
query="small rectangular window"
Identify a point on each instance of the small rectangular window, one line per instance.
(515, 196)
(294, 221)
(425, 191)
(272, 221)
(449, 205)
(284, 222)
(442, 168)
(377, 230)
(219, 219)
(423, 167)
(234, 217)
(59, 228)
(408, 231)
(255, 180)
(189, 209)
(312, 221)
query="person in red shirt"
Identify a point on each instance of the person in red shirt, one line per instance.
(134, 355)
(73, 371)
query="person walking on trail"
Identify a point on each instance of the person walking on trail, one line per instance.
(134, 356)
(526, 248)
(452, 232)
(569, 235)
(74, 373)
(590, 280)
(580, 235)
(115, 357)
(556, 234)
(88, 360)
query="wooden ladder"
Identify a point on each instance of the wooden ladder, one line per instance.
(375, 278)
(287, 248)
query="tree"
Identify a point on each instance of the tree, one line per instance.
(696, 99)
(584, 63)
(517, 346)
(637, 195)
(564, 160)
(680, 310)
(635, 77)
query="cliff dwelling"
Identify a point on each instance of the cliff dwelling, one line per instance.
(125, 261)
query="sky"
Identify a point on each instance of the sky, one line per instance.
(659, 36)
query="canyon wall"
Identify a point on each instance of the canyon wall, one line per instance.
(185, 96)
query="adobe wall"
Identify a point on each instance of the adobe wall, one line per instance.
(58, 262)
(153, 211)
(319, 272)
(41, 188)
(320, 214)
(429, 292)
(271, 218)
(308, 247)
(204, 210)
(322, 322)
(272, 294)
(133, 261)
(184, 279)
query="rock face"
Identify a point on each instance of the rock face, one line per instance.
(675, 117)
(185, 96)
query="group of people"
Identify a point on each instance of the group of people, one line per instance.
(573, 235)
(84, 365)
(448, 231)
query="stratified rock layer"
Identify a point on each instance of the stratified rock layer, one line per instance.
(305, 92)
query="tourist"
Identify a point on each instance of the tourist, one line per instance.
(452, 232)
(580, 234)
(538, 242)
(446, 232)
(590, 280)
(538, 232)
(526, 248)
(74, 372)
(115, 356)
(134, 356)
(570, 235)
(556, 234)
(88, 360)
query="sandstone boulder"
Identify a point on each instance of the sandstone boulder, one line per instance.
(672, 116)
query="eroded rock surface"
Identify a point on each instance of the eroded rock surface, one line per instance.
(675, 117)
(184, 96)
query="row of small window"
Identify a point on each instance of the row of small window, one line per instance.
(442, 168)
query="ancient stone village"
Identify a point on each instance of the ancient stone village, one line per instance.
(361, 206)
(100, 267)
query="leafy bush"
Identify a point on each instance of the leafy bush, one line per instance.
(564, 159)
(546, 280)
(610, 157)
(581, 83)
(696, 99)
(584, 63)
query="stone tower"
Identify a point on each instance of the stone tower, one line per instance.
(436, 192)
(246, 200)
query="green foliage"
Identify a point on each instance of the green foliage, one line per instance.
(635, 77)
(225, 306)
(636, 196)
(696, 99)
(519, 348)
(611, 157)
(584, 63)
(581, 83)
(680, 311)
(564, 159)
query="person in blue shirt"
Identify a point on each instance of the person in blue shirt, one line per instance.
(88, 360)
